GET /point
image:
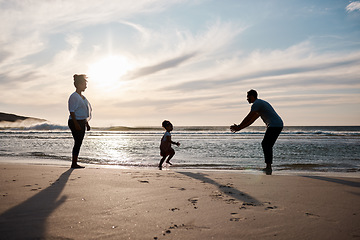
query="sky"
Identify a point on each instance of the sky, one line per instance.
(190, 62)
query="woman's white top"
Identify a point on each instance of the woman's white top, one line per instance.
(80, 106)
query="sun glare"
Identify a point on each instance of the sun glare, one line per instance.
(108, 71)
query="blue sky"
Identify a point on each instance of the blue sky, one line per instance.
(191, 62)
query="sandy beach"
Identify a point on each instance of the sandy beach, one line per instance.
(55, 202)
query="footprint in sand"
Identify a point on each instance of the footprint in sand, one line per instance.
(217, 194)
(269, 207)
(246, 204)
(231, 201)
(312, 215)
(236, 219)
(194, 201)
(182, 226)
(228, 185)
(181, 189)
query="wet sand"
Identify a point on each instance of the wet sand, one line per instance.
(55, 202)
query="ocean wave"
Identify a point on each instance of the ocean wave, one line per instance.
(38, 127)
(321, 133)
(199, 131)
(226, 133)
(47, 127)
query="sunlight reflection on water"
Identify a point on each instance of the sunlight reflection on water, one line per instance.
(199, 149)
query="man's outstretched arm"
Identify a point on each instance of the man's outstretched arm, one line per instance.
(248, 120)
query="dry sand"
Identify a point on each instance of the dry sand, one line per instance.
(55, 202)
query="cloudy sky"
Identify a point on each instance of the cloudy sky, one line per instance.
(191, 62)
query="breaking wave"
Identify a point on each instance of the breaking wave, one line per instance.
(47, 127)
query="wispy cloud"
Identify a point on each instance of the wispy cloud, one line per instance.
(353, 6)
(160, 66)
(197, 65)
(181, 46)
(214, 79)
(299, 65)
(29, 26)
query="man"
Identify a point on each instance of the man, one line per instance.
(274, 124)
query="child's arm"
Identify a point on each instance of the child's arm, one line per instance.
(176, 143)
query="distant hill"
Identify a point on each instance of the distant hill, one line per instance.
(12, 120)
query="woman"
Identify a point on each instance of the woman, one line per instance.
(80, 114)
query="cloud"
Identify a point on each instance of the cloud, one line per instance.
(62, 58)
(295, 66)
(145, 34)
(170, 63)
(218, 36)
(4, 55)
(29, 27)
(163, 101)
(181, 47)
(60, 15)
(202, 60)
(354, 6)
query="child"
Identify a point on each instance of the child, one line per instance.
(165, 145)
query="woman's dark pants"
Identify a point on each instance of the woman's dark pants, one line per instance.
(78, 135)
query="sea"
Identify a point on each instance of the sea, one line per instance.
(298, 149)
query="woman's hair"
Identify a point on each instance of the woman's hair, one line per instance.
(79, 78)
(166, 123)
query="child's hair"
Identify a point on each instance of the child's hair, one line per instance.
(166, 123)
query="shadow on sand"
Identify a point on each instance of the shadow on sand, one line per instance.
(28, 219)
(336, 180)
(228, 190)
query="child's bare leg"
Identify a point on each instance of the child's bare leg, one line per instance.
(161, 162)
(170, 157)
